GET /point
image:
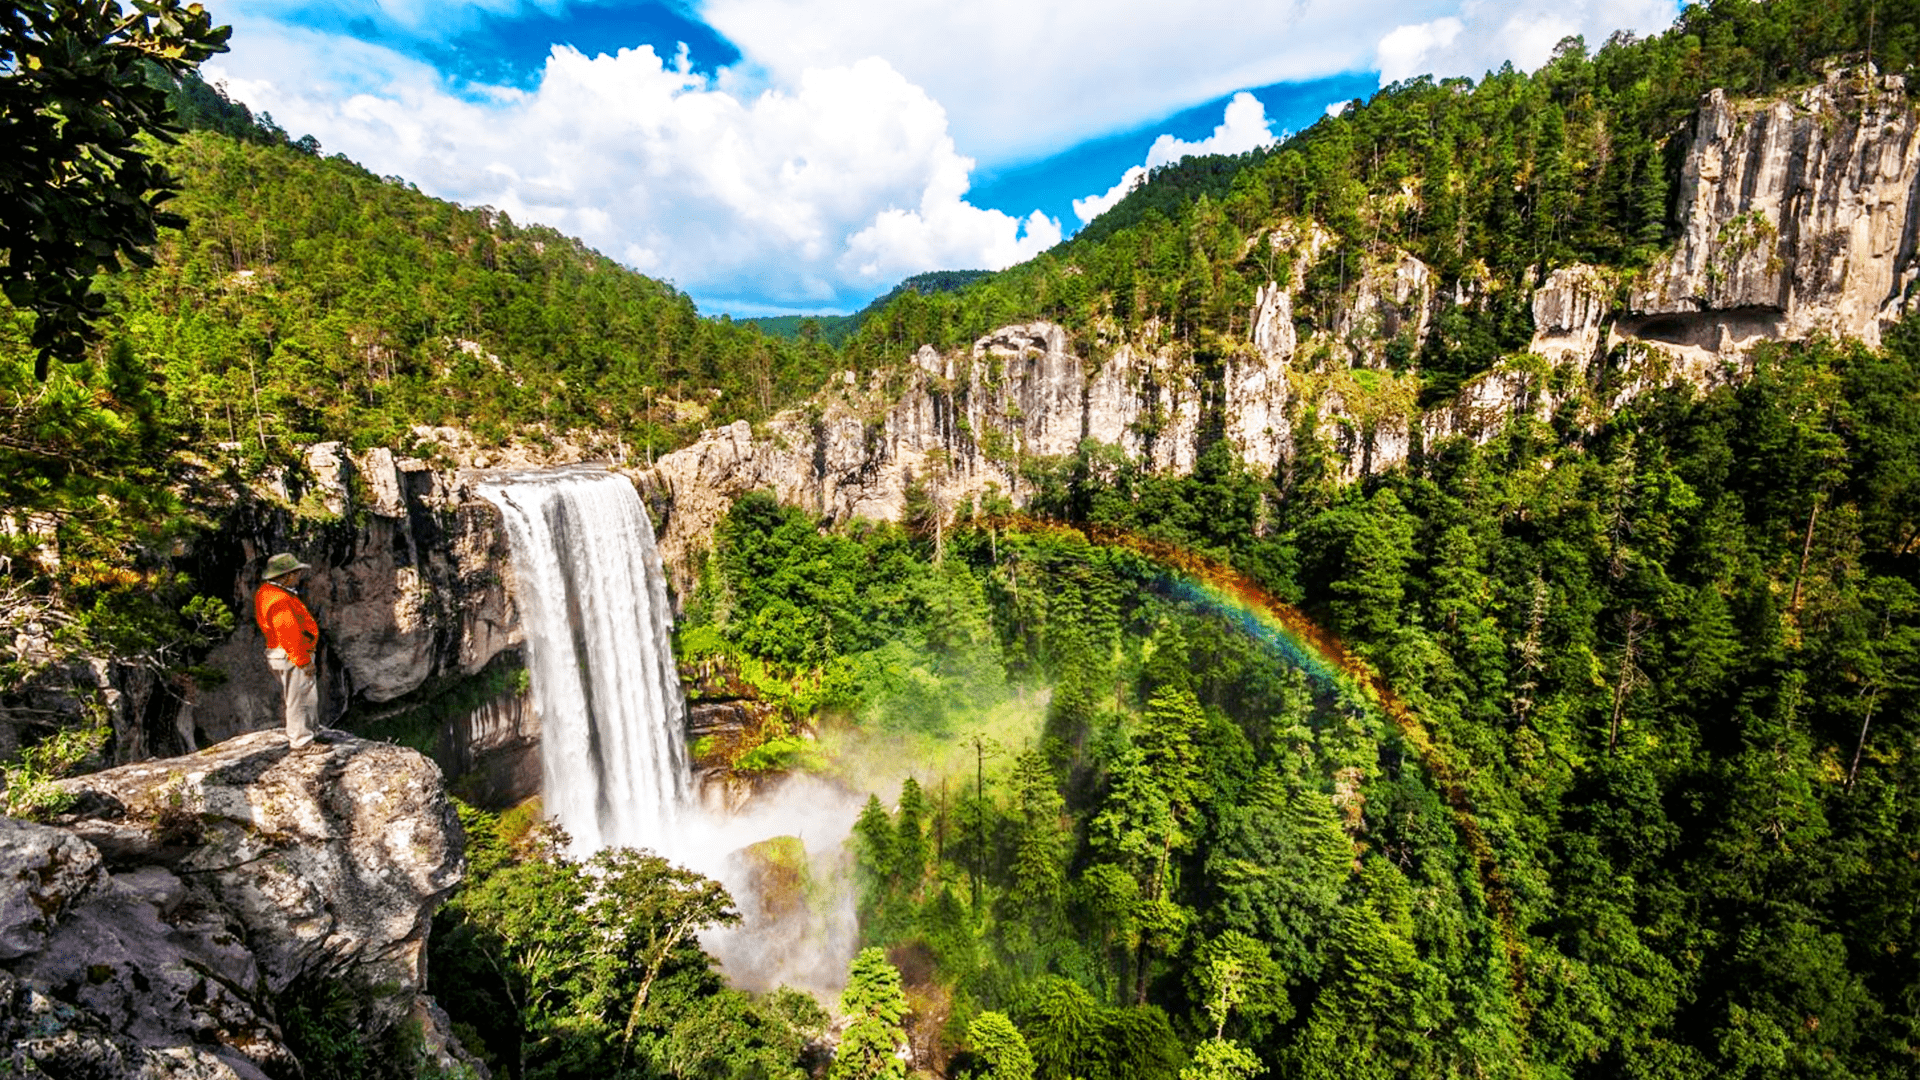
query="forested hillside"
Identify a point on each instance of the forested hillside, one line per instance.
(332, 303)
(307, 299)
(1677, 705)
(1490, 183)
(1649, 812)
(1618, 776)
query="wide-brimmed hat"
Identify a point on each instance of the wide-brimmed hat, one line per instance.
(281, 565)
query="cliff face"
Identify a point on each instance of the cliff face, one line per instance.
(412, 586)
(961, 424)
(1798, 217)
(410, 582)
(152, 930)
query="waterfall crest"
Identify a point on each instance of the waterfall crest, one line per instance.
(593, 605)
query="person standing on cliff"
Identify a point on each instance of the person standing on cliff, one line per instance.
(291, 637)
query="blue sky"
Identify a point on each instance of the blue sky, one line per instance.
(773, 156)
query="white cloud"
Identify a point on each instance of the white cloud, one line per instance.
(1022, 79)
(1094, 205)
(842, 182)
(1403, 50)
(1243, 128)
(829, 160)
(946, 232)
(1484, 34)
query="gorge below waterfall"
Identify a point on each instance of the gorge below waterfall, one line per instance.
(1436, 595)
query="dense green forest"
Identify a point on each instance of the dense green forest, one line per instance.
(307, 299)
(1674, 664)
(1670, 661)
(328, 302)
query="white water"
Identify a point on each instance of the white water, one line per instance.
(593, 604)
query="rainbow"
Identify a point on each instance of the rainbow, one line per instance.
(1318, 652)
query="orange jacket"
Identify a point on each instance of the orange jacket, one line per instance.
(286, 623)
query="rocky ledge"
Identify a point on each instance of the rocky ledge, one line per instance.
(152, 928)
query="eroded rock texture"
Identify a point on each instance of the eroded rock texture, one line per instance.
(1798, 217)
(410, 583)
(150, 931)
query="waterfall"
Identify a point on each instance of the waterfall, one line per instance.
(593, 606)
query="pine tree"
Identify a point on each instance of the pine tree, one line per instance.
(1039, 835)
(1000, 1048)
(870, 1048)
(909, 862)
(874, 843)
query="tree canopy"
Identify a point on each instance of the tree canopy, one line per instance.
(79, 189)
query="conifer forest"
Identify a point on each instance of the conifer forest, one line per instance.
(1584, 746)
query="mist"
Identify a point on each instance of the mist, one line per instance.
(786, 855)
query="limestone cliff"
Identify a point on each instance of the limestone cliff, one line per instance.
(411, 582)
(961, 423)
(412, 586)
(1796, 217)
(152, 929)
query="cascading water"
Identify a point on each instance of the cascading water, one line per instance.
(613, 750)
(593, 604)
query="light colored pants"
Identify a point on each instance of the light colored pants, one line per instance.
(299, 695)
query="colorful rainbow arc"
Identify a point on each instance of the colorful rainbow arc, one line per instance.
(1325, 658)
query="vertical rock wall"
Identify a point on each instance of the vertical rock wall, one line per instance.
(1797, 217)
(410, 583)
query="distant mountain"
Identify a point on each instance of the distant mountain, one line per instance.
(834, 330)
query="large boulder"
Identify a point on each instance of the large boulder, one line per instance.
(167, 910)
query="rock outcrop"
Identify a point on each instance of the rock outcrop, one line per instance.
(151, 929)
(411, 582)
(966, 425)
(963, 425)
(1799, 217)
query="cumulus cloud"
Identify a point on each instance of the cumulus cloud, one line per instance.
(1094, 205)
(1405, 48)
(1244, 127)
(827, 161)
(1483, 34)
(1479, 36)
(1021, 78)
(840, 183)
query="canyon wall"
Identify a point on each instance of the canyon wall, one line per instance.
(410, 583)
(1797, 218)
(413, 589)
